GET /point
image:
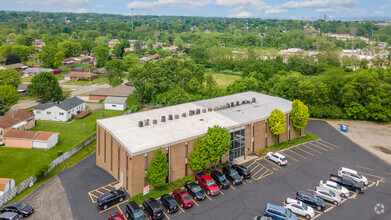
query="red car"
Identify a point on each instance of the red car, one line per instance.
(207, 183)
(116, 216)
(183, 198)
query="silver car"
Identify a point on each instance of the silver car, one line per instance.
(327, 195)
(334, 187)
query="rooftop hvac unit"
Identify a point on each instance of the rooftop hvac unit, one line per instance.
(209, 109)
(140, 124)
(247, 101)
(237, 102)
(184, 114)
(146, 122)
(198, 111)
(176, 116)
(243, 101)
(163, 118)
(191, 112)
(154, 121)
(228, 105)
(216, 108)
(204, 110)
(253, 99)
(170, 117)
(232, 104)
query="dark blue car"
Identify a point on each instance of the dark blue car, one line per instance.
(310, 199)
(278, 212)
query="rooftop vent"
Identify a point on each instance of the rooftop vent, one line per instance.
(154, 121)
(191, 112)
(237, 102)
(228, 105)
(253, 99)
(176, 116)
(163, 118)
(232, 104)
(146, 122)
(204, 110)
(243, 101)
(170, 117)
(140, 124)
(198, 111)
(184, 114)
(209, 109)
(216, 108)
(247, 101)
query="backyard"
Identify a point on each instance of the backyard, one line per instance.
(223, 80)
(20, 164)
(98, 80)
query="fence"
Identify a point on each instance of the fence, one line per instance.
(7, 196)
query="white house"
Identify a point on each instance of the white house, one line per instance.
(60, 111)
(6, 185)
(35, 71)
(115, 103)
(45, 140)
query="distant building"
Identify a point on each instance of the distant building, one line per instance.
(290, 51)
(60, 111)
(35, 71)
(17, 66)
(22, 89)
(31, 139)
(19, 120)
(80, 76)
(115, 103)
(119, 91)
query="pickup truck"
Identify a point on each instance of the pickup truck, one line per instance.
(207, 183)
(348, 182)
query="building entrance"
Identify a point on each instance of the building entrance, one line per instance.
(238, 143)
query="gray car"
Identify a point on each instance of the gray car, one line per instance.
(9, 216)
(327, 195)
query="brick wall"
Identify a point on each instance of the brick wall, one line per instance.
(259, 136)
(177, 161)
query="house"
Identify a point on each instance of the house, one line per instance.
(155, 57)
(38, 43)
(36, 71)
(22, 89)
(6, 184)
(17, 66)
(115, 103)
(68, 62)
(103, 93)
(80, 76)
(19, 120)
(30, 139)
(144, 59)
(82, 59)
(59, 111)
(290, 51)
(38, 65)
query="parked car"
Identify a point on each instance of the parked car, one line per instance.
(242, 170)
(110, 198)
(153, 208)
(207, 183)
(134, 212)
(232, 175)
(183, 198)
(327, 195)
(356, 176)
(220, 179)
(310, 199)
(116, 216)
(278, 212)
(169, 202)
(195, 190)
(277, 157)
(21, 208)
(348, 182)
(334, 187)
(262, 218)
(299, 208)
(9, 216)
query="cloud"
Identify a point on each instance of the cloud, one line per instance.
(168, 3)
(100, 6)
(79, 10)
(242, 14)
(384, 6)
(274, 11)
(240, 5)
(377, 13)
(319, 4)
(61, 3)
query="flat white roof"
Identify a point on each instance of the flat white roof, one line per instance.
(138, 140)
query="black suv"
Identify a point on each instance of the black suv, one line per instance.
(110, 198)
(21, 208)
(169, 202)
(195, 190)
(220, 179)
(310, 199)
(134, 212)
(153, 208)
(242, 170)
(232, 175)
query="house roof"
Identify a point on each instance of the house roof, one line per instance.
(22, 87)
(3, 183)
(37, 70)
(15, 117)
(44, 136)
(115, 100)
(67, 60)
(81, 74)
(64, 105)
(119, 91)
(15, 66)
(138, 140)
(20, 134)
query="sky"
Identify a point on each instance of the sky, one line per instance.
(288, 9)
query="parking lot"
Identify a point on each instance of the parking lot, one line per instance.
(307, 164)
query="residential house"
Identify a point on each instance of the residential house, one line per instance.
(68, 62)
(144, 59)
(17, 66)
(290, 51)
(59, 111)
(31, 139)
(115, 103)
(155, 57)
(38, 43)
(22, 89)
(103, 93)
(35, 71)
(19, 120)
(80, 76)
(6, 184)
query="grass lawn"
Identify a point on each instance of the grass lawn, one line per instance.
(290, 143)
(26, 79)
(98, 80)
(20, 164)
(224, 80)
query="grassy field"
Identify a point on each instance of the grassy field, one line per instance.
(290, 143)
(99, 80)
(20, 164)
(224, 80)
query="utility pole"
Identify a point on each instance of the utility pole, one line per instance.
(132, 18)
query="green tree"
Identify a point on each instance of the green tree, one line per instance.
(87, 45)
(158, 169)
(130, 59)
(45, 88)
(9, 94)
(102, 53)
(164, 53)
(199, 159)
(200, 54)
(3, 108)
(218, 141)
(70, 49)
(115, 72)
(299, 115)
(119, 48)
(10, 77)
(277, 123)
(50, 56)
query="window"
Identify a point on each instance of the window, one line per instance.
(61, 113)
(113, 106)
(69, 112)
(38, 112)
(48, 113)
